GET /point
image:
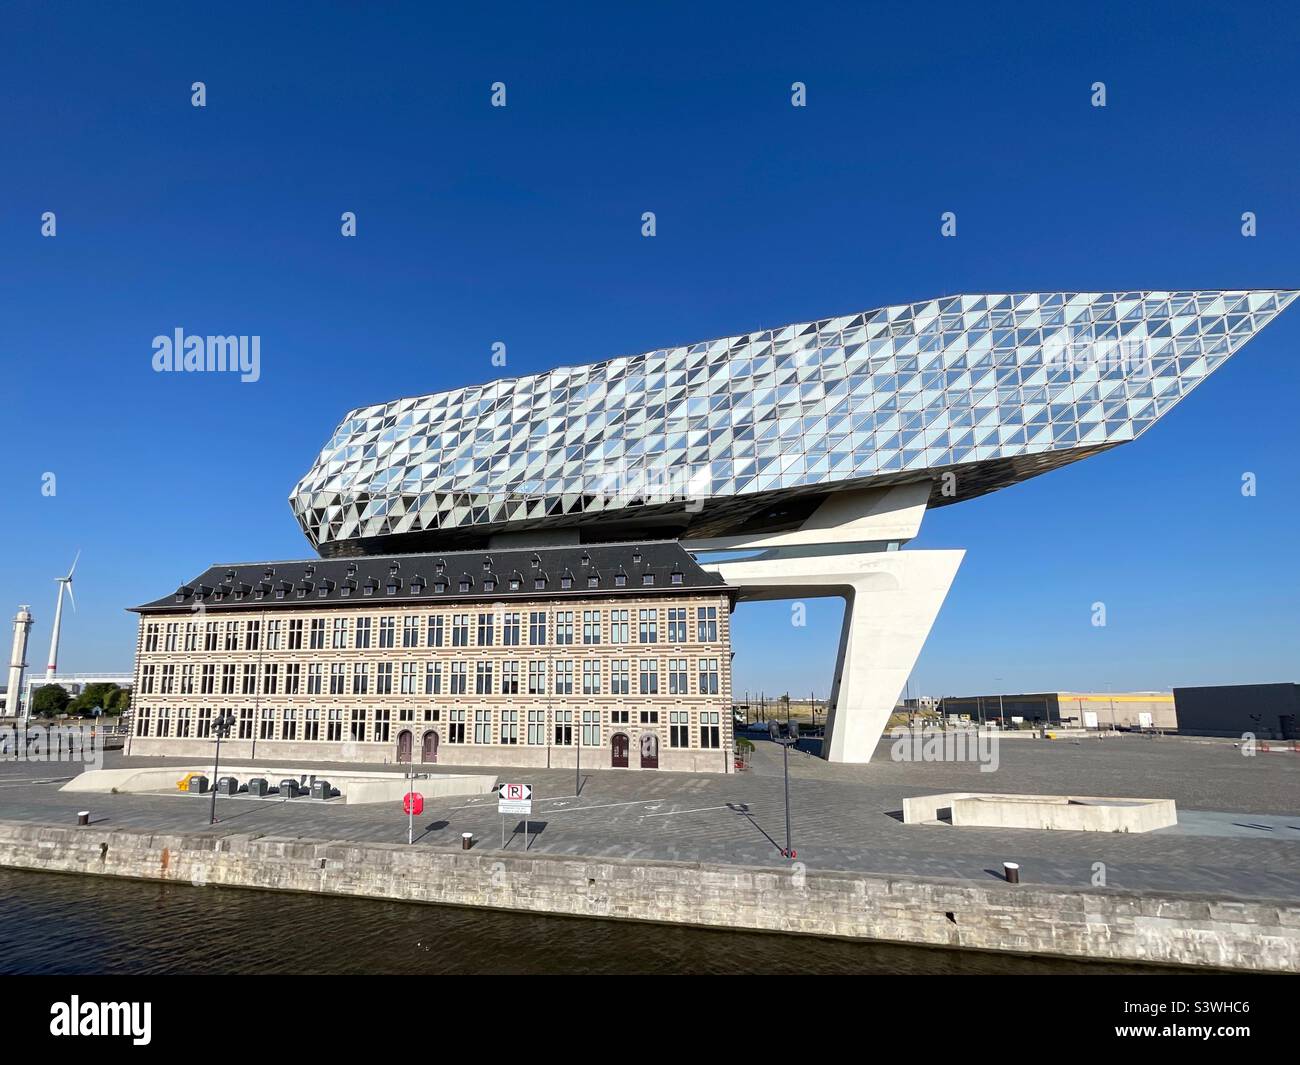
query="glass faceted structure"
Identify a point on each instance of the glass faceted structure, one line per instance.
(755, 431)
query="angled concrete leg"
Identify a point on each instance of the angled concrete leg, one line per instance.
(891, 601)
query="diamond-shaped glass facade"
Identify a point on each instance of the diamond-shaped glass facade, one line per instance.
(715, 435)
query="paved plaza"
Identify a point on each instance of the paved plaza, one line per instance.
(1239, 830)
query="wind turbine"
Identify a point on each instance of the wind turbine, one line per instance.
(62, 582)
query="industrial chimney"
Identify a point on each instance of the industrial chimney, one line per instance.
(18, 660)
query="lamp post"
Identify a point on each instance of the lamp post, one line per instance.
(223, 725)
(786, 741)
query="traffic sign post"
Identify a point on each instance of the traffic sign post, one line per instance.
(514, 799)
(412, 804)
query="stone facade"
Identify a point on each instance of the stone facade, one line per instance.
(642, 680)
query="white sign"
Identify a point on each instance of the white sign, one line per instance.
(515, 799)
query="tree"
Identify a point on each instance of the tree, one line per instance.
(48, 700)
(101, 694)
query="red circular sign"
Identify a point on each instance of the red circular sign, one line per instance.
(412, 803)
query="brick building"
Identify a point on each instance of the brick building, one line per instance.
(500, 658)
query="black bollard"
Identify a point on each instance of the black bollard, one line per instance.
(1011, 870)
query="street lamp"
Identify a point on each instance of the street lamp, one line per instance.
(223, 725)
(786, 741)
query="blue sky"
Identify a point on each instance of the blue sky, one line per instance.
(522, 225)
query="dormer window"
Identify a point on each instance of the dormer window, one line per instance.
(310, 571)
(438, 567)
(392, 587)
(230, 575)
(417, 584)
(352, 569)
(439, 587)
(393, 567)
(647, 579)
(515, 584)
(349, 586)
(585, 560)
(369, 587)
(566, 582)
(593, 581)
(182, 592)
(487, 564)
(325, 588)
(268, 573)
(464, 584)
(536, 562)
(539, 583)
(636, 556)
(677, 576)
(620, 580)
(489, 584)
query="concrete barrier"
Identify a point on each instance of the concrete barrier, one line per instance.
(1062, 813)
(1108, 924)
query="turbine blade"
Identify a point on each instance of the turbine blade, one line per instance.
(74, 564)
(72, 597)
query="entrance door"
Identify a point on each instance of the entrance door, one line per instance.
(618, 750)
(429, 747)
(649, 751)
(404, 746)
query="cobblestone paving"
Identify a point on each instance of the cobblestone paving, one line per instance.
(1239, 831)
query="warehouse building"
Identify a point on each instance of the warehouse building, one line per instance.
(1269, 711)
(1092, 710)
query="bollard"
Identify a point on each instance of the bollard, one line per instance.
(466, 840)
(1011, 870)
(83, 817)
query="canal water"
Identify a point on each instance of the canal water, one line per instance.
(66, 924)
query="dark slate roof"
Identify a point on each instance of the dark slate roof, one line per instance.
(235, 586)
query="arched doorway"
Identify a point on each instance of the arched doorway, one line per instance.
(649, 751)
(618, 748)
(429, 747)
(404, 746)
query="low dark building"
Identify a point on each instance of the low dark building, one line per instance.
(1267, 710)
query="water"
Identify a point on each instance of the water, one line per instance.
(68, 924)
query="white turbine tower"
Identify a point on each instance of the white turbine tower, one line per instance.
(62, 582)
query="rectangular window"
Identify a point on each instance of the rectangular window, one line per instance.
(677, 682)
(649, 717)
(456, 725)
(289, 724)
(208, 681)
(591, 728)
(410, 631)
(357, 725)
(482, 726)
(536, 727)
(706, 620)
(564, 626)
(433, 637)
(315, 675)
(168, 680)
(270, 678)
(266, 729)
(510, 726)
(432, 678)
(183, 723)
(591, 626)
(483, 678)
(710, 730)
(273, 635)
(164, 722)
(648, 626)
(292, 678)
(334, 725)
(460, 630)
(564, 677)
(563, 728)
(317, 633)
(171, 636)
(363, 633)
(679, 728)
(409, 673)
(205, 722)
(384, 678)
(339, 641)
(536, 678)
(591, 678)
(338, 678)
(649, 676)
(619, 677)
(191, 636)
(486, 635)
(187, 680)
(311, 725)
(246, 723)
(295, 634)
(228, 680)
(387, 631)
(459, 677)
(708, 676)
(509, 678)
(383, 717)
(677, 625)
(360, 678)
(253, 636)
(537, 628)
(249, 685)
(232, 635)
(510, 630)
(151, 638)
(142, 721)
(210, 636)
